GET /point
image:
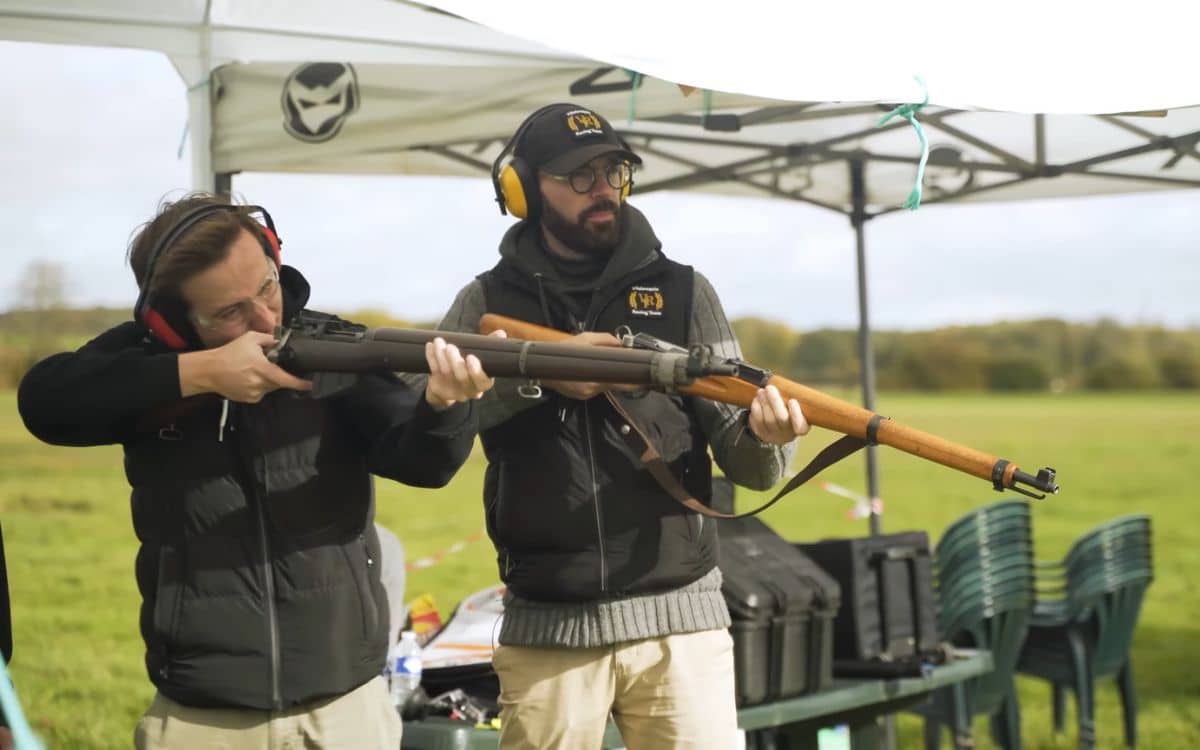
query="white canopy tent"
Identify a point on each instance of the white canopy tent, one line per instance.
(201, 35)
(1066, 56)
(417, 91)
(432, 119)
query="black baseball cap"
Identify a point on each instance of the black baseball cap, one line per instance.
(563, 137)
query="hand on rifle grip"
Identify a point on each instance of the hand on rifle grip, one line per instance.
(593, 338)
(772, 421)
(583, 391)
(238, 371)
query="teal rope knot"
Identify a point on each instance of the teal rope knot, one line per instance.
(909, 112)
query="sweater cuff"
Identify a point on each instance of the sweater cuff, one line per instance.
(449, 423)
(745, 433)
(160, 380)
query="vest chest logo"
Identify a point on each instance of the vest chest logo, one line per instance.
(646, 301)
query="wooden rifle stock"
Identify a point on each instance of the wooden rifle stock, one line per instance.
(823, 410)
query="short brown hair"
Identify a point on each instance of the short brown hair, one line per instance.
(201, 247)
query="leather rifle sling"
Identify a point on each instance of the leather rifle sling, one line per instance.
(639, 443)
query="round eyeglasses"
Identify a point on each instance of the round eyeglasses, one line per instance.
(582, 180)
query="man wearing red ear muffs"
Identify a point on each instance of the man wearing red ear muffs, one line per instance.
(263, 614)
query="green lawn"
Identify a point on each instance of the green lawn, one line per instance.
(70, 547)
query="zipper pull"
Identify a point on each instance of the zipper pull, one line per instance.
(223, 420)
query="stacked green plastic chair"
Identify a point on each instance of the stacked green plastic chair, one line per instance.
(985, 594)
(1084, 619)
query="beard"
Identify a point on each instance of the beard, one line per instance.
(580, 235)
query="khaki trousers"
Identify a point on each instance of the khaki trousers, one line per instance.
(674, 692)
(364, 718)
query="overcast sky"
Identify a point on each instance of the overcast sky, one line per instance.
(90, 141)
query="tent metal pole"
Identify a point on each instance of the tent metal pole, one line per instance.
(866, 356)
(223, 184)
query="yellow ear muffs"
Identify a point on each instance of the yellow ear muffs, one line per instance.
(513, 193)
(519, 189)
(515, 184)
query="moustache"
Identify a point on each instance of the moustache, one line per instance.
(601, 207)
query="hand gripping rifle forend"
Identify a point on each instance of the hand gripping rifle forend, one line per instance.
(316, 343)
(822, 410)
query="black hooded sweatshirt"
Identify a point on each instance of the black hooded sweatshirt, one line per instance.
(573, 515)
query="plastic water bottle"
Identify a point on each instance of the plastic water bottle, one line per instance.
(405, 662)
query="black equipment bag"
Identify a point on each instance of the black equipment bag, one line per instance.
(458, 658)
(888, 626)
(782, 605)
(476, 680)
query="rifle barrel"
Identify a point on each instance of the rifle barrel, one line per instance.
(403, 350)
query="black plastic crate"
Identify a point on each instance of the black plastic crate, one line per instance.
(889, 613)
(782, 605)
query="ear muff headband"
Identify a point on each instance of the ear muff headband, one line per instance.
(158, 321)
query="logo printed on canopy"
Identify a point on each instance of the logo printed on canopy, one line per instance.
(317, 98)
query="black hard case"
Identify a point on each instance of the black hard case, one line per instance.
(889, 611)
(782, 605)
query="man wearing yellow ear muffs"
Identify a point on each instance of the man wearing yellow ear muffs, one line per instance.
(613, 600)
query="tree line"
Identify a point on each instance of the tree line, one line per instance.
(1034, 355)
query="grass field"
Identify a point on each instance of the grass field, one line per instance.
(70, 548)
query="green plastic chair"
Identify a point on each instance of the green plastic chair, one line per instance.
(984, 569)
(964, 536)
(1084, 619)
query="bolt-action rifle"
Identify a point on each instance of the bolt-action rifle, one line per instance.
(860, 426)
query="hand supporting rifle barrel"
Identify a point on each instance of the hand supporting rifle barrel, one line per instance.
(862, 427)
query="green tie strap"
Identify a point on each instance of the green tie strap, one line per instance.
(908, 112)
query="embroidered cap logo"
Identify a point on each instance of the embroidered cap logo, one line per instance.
(583, 122)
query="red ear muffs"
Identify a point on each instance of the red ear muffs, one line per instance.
(269, 237)
(272, 245)
(162, 330)
(167, 319)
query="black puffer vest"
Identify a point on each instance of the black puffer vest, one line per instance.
(572, 514)
(258, 565)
